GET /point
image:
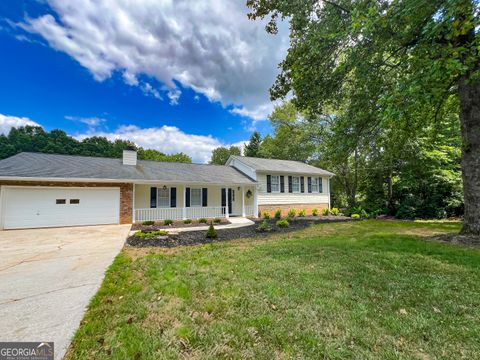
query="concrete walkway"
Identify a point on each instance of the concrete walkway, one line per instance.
(235, 222)
(48, 276)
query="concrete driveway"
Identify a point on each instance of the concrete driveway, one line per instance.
(48, 276)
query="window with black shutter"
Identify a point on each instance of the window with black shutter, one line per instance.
(204, 197)
(173, 197)
(153, 197)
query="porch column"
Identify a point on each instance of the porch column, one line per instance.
(255, 201)
(184, 205)
(243, 201)
(227, 215)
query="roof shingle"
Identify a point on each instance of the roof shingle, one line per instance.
(287, 166)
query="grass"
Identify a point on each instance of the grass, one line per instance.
(360, 290)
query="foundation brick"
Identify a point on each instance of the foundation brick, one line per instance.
(286, 207)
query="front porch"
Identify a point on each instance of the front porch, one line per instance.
(159, 201)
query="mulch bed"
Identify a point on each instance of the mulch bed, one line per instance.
(198, 237)
(176, 224)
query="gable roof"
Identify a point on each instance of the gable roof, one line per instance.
(53, 166)
(284, 166)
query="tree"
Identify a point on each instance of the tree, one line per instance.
(390, 63)
(221, 154)
(292, 136)
(252, 149)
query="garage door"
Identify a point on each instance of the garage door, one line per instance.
(32, 207)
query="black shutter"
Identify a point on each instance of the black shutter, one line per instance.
(302, 184)
(187, 197)
(153, 197)
(290, 187)
(320, 185)
(204, 197)
(309, 184)
(282, 183)
(173, 197)
(269, 183)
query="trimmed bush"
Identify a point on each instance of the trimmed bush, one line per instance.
(326, 212)
(202, 221)
(355, 216)
(335, 212)
(282, 223)
(314, 212)
(167, 222)
(263, 227)
(148, 222)
(278, 214)
(150, 234)
(217, 220)
(302, 213)
(292, 213)
(266, 215)
(187, 221)
(211, 232)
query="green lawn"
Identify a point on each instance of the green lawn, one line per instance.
(363, 290)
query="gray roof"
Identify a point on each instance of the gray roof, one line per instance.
(37, 165)
(284, 166)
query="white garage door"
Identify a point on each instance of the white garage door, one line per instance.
(32, 207)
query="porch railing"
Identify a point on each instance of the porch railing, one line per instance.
(153, 214)
(249, 210)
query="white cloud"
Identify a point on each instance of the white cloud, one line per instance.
(207, 45)
(167, 139)
(90, 121)
(7, 122)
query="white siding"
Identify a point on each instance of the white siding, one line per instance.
(265, 198)
(243, 168)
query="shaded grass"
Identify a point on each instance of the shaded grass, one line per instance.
(363, 290)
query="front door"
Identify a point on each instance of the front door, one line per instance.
(224, 200)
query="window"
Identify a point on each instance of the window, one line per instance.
(75, 201)
(195, 197)
(296, 184)
(275, 183)
(163, 197)
(60, 201)
(314, 184)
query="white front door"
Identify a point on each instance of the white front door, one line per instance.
(32, 207)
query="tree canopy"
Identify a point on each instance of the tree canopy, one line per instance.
(385, 70)
(221, 154)
(36, 139)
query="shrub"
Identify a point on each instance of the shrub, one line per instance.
(264, 226)
(292, 213)
(335, 212)
(148, 222)
(326, 212)
(187, 221)
(217, 220)
(302, 213)
(266, 215)
(168, 222)
(314, 212)
(282, 223)
(364, 214)
(211, 232)
(150, 234)
(278, 214)
(355, 216)
(202, 221)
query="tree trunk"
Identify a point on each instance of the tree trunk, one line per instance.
(469, 93)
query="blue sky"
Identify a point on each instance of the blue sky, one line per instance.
(175, 76)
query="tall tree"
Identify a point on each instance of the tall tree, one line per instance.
(252, 149)
(221, 154)
(393, 63)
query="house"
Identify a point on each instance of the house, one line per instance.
(49, 190)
